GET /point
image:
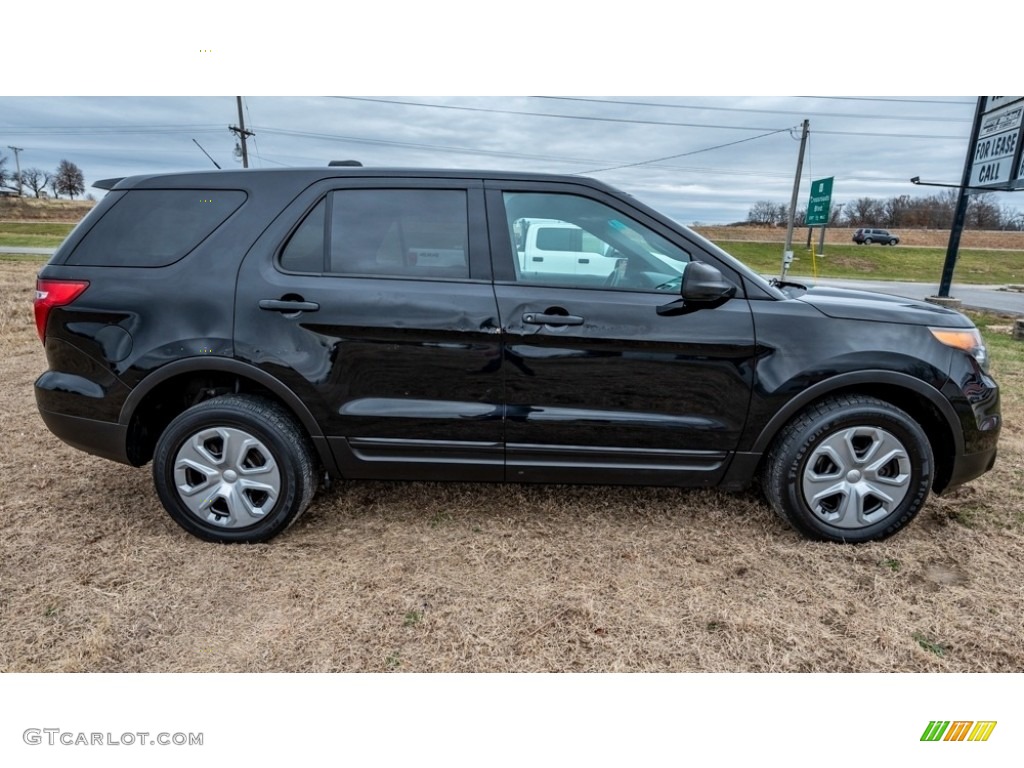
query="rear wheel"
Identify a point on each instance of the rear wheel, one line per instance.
(234, 469)
(850, 469)
(868, 241)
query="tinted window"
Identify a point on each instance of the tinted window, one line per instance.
(155, 227)
(305, 250)
(412, 233)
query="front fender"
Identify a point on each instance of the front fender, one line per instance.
(764, 434)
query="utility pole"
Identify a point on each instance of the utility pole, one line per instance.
(953, 247)
(242, 133)
(787, 253)
(17, 162)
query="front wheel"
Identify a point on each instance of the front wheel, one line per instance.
(235, 468)
(849, 469)
(893, 242)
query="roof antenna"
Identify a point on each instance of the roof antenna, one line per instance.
(207, 154)
(334, 163)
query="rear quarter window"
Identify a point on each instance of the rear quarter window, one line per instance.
(155, 227)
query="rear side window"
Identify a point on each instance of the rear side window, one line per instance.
(155, 227)
(421, 233)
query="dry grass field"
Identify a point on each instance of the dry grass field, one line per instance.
(94, 576)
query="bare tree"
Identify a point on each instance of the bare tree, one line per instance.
(3, 171)
(70, 180)
(864, 211)
(982, 212)
(894, 210)
(767, 213)
(942, 208)
(762, 212)
(35, 179)
(1011, 219)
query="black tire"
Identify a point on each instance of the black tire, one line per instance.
(893, 241)
(236, 468)
(868, 241)
(827, 473)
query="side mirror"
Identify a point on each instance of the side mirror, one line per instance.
(703, 287)
(703, 284)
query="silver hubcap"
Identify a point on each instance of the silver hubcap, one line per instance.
(856, 477)
(226, 477)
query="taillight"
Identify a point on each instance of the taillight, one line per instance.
(54, 293)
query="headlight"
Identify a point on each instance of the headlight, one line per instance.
(967, 339)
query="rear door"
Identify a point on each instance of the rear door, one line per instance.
(372, 299)
(600, 387)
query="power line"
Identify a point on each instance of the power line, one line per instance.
(888, 100)
(103, 130)
(255, 145)
(685, 154)
(592, 118)
(797, 112)
(634, 121)
(431, 147)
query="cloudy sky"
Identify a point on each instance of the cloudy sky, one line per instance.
(705, 159)
(700, 158)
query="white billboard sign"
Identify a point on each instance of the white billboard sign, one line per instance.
(995, 160)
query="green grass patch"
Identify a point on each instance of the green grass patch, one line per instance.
(33, 234)
(930, 645)
(996, 330)
(864, 262)
(58, 228)
(30, 241)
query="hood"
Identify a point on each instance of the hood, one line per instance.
(880, 307)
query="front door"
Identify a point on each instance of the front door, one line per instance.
(600, 387)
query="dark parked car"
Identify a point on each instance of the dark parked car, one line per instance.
(867, 236)
(248, 331)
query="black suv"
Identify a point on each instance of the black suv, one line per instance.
(247, 331)
(867, 236)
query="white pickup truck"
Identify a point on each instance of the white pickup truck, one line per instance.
(550, 246)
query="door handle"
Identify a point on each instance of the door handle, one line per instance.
(540, 318)
(280, 305)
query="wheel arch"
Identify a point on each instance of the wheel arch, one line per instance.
(178, 385)
(918, 399)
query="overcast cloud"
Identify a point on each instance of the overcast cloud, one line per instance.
(705, 157)
(671, 147)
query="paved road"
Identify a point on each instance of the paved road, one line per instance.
(26, 249)
(988, 297)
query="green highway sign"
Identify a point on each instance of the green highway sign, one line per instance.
(818, 205)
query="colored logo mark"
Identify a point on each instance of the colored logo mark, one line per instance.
(958, 730)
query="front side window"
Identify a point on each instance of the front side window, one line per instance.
(573, 241)
(416, 233)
